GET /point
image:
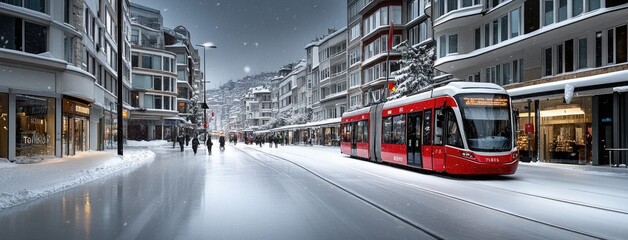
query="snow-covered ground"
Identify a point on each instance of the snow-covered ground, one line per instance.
(25, 182)
(155, 143)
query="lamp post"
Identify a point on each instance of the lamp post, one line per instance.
(205, 47)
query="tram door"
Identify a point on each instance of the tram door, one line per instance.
(414, 138)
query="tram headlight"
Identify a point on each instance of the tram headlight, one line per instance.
(515, 155)
(468, 155)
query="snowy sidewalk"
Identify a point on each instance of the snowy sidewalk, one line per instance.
(21, 183)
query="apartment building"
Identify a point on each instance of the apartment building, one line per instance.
(539, 50)
(58, 87)
(189, 77)
(154, 78)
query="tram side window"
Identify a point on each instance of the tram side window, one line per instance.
(399, 129)
(438, 127)
(365, 130)
(359, 132)
(427, 130)
(347, 135)
(453, 132)
(387, 130)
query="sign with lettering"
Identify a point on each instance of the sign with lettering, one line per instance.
(485, 101)
(81, 110)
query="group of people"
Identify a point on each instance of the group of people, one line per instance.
(185, 139)
(272, 139)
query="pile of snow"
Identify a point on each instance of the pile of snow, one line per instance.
(143, 143)
(30, 160)
(4, 163)
(26, 182)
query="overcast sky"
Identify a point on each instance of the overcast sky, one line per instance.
(252, 36)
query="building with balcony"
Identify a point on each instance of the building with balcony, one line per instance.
(368, 24)
(257, 107)
(154, 79)
(58, 71)
(189, 77)
(539, 50)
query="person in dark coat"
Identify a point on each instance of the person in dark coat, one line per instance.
(221, 140)
(195, 144)
(209, 143)
(181, 142)
(187, 139)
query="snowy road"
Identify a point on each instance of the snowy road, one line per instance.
(249, 192)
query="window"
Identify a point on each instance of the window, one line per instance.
(135, 59)
(467, 3)
(478, 38)
(147, 61)
(453, 132)
(167, 84)
(167, 103)
(559, 58)
(531, 16)
(549, 12)
(487, 35)
(582, 53)
(548, 61)
(35, 123)
(504, 27)
(427, 129)
(577, 7)
(598, 49)
(495, 32)
(4, 125)
(148, 101)
(158, 102)
(594, 4)
(569, 55)
(506, 74)
(438, 126)
(514, 23)
(562, 10)
(157, 83)
(156, 62)
(443, 46)
(453, 43)
(621, 41)
(611, 51)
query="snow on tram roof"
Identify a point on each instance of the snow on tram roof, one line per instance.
(356, 112)
(450, 89)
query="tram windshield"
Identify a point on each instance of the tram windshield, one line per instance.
(487, 121)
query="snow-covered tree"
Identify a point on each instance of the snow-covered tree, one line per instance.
(417, 69)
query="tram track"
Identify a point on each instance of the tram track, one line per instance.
(449, 196)
(338, 186)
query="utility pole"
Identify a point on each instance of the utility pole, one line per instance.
(120, 76)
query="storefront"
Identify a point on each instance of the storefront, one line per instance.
(4, 125)
(565, 132)
(75, 127)
(35, 126)
(109, 123)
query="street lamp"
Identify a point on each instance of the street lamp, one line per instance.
(205, 107)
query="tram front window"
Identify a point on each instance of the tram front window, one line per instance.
(486, 119)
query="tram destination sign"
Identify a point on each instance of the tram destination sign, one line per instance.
(486, 101)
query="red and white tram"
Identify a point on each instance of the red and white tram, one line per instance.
(461, 128)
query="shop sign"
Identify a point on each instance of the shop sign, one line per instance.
(529, 128)
(35, 138)
(81, 110)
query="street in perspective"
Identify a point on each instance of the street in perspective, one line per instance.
(324, 119)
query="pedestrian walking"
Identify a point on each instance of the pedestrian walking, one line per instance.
(209, 143)
(276, 140)
(195, 144)
(181, 142)
(187, 139)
